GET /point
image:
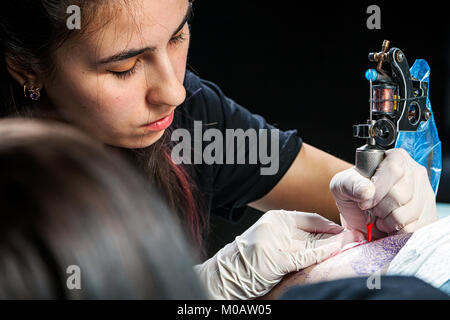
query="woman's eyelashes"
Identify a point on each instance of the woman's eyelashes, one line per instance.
(178, 39)
(125, 74)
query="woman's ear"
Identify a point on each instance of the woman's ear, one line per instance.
(22, 76)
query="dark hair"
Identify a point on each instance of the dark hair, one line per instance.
(67, 200)
(30, 32)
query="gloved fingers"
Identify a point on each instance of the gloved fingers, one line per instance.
(307, 236)
(400, 194)
(313, 240)
(316, 250)
(399, 218)
(376, 233)
(409, 228)
(299, 234)
(361, 226)
(390, 170)
(430, 216)
(344, 238)
(349, 185)
(358, 219)
(344, 222)
(307, 257)
(325, 236)
(319, 254)
(312, 223)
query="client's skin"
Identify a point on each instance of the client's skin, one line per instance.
(362, 260)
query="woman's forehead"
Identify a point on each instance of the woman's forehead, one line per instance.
(133, 24)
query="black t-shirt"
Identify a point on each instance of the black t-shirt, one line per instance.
(227, 188)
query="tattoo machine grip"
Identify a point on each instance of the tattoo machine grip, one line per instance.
(368, 157)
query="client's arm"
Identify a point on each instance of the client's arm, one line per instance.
(361, 260)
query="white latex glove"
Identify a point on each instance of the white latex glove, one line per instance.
(280, 242)
(399, 192)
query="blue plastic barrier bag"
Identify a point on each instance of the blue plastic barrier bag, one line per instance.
(424, 145)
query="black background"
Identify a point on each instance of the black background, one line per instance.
(301, 66)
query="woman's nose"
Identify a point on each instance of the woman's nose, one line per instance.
(164, 87)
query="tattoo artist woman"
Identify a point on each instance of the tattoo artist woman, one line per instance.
(122, 78)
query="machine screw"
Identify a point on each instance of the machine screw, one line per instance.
(400, 56)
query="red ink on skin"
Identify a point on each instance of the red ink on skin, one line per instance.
(369, 231)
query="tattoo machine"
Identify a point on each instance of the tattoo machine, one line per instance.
(398, 102)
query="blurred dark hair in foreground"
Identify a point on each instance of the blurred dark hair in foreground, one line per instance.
(67, 200)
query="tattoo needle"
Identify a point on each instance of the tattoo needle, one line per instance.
(369, 225)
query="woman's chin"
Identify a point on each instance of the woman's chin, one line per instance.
(135, 142)
(143, 141)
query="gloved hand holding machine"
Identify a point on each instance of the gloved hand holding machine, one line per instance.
(398, 103)
(391, 190)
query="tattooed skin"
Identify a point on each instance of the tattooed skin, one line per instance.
(376, 256)
(361, 260)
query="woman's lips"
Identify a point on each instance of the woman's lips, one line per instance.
(160, 124)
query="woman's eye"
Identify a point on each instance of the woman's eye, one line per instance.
(126, 73)
(179, 38)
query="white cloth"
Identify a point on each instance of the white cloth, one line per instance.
(426, 255)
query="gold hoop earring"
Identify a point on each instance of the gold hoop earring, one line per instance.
(32, 93)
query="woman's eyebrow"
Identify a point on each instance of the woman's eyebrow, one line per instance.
(124, 55)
